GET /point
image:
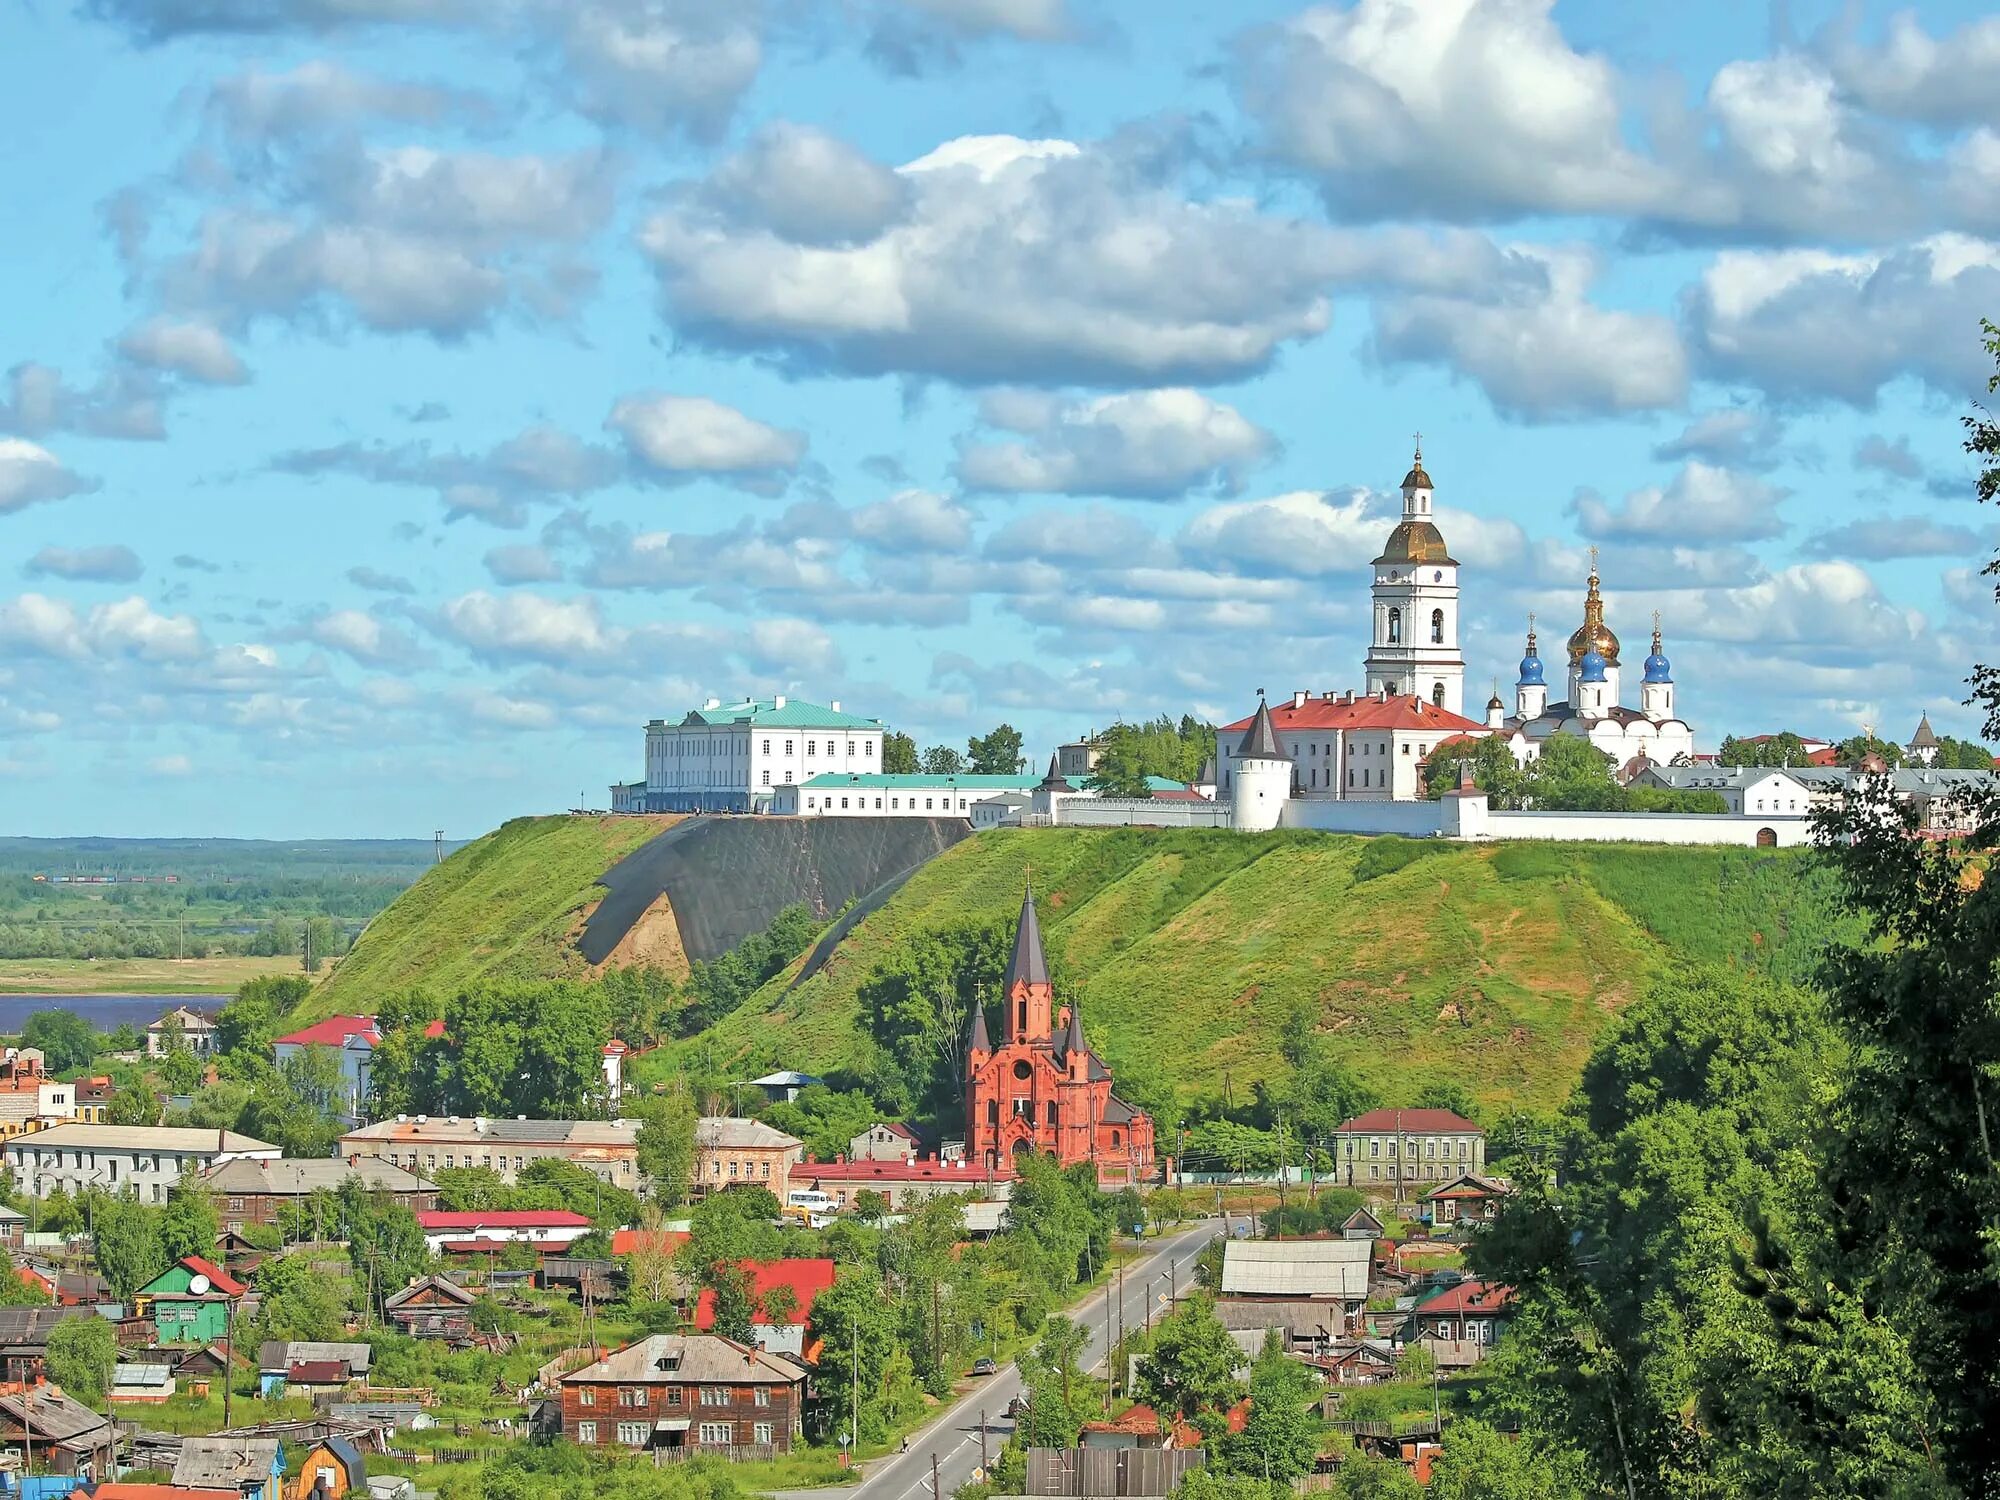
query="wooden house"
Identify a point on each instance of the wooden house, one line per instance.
(328, 1470)
(433, 1307)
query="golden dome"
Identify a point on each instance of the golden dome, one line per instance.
(1415, 541)
(1593, 634)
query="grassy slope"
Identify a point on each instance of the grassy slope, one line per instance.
(1495, 965)
(501, 907)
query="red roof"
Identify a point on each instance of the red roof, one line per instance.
(503, 1218)
(927, 1169)
(625, 1241)
(806, 1278)
(1830, 756)
(433, 1031)
(1406, 711)
(317, 1372)
(332, 1032)
(1409, 1121)
(1488, 1297)
(220, 1279)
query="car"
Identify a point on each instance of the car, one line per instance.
(984, 1366)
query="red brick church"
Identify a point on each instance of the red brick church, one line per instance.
(1042, 1088)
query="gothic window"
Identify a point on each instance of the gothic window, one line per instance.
(1052, 1114)
(1114, 1138)
(1021, 1017)
(1395, 627)
(1437, 627)
(1437, 694)
(992, 1111)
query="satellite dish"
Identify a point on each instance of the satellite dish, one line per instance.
(198, 1284)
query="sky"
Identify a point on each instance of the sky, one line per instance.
(407, 399)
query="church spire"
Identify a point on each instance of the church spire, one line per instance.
(1027, 966)
(978, 1040)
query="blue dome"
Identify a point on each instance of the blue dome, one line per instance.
(1531, 671)
(1659, 669)
(1593, 667)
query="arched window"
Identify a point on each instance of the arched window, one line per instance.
(992, 1111)
(1395, 627)
(1767, 838)
(1115, 1139)
(1437, 627)
(1437, 694)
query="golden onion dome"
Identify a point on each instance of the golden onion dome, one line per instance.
(1594, 636)
(1415, 541)
(1417, 479)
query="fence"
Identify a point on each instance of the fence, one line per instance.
(736, 1453)
(1109, 1473)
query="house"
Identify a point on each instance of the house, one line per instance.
(396, 1416)
(731, 1152)
(196, 1028)
(64, 1288)
(1466, 1199)
(1304, 1327)
(13, 1229)
(788, 1285)
(138, 1489)
(429, 1143)
(66, 1436)
(147, 1384)
(145, 1160)
(686, 1393)
(902, 1182)
(253, 1192)
(318, 1365)
(481, 1230)
(431, 1308)
(1361, 1225)
(328, 1470)
(1298, 1270)
(30, 1099)
(1407, 1145)
(913, 794)
(190, 1302)
(1356, 1362)
(24, 1339)
(785, 1085)
(252, 1468)
(662, 1241)
(352, 1041)
(1472, 1312)
(885, 1140)
(93, 1100)
(1136, 1427)
(732, 757)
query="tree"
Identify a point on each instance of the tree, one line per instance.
(1192, 1365)
(81, 1354)
(133, 1104)
(294, 1104)
(320, 941)
(1121, 764)
(665, 1143)
(1570, 774)
(1857, 748)
(1280, 1437)
(385, 1244)
(1448, 1093)
(1363, 1477)
(64, 1039)
(871, 1207)
(298, 1301)
(470, 1189)
(996, 753)
(1494, 769)
(851, 1321)
(1479, 1463)
(735, 1306)
(942, 760)
(1783, 749)
(1060, 1399)
(180, 1069)
(16, 1290)
(899, 754)
(249, 1022)
(126, 1243)
(1954, 754)
(188, 1225)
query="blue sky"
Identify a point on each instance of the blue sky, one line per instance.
(408, 398)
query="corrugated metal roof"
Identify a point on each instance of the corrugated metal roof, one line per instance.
(918, 781)
(1297, 1268)
(763, 712)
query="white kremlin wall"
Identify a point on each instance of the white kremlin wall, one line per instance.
(1462, 816)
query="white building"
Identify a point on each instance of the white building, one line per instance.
(914, 795)
(1752, 791)
(196, 1028)
(147, 1159)
(733, 757)
(1414, 648)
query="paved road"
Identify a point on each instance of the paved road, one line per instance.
(953, 1436)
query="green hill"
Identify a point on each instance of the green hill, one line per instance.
(505, 907)
(1492, 965)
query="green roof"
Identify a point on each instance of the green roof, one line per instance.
(1164, 784)
(765, 712)
(914, 782)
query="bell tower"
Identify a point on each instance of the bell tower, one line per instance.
(1413, 645)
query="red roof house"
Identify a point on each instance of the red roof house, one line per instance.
(218, 1278)
(1409, 1122)
(332, 1032)
(804, 1279)
(629, 1241)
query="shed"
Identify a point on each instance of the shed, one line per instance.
(148, 1383)
(329, 1469)
(250, 1467)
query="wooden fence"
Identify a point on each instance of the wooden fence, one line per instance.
(1109, 1473)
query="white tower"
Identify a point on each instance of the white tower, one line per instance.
(1415, 640)
(1531, 690)
(1656, 688)
(1260, 777)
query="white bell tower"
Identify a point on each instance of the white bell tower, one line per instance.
(1414, 641)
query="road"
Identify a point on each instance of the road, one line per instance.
(953, 1435)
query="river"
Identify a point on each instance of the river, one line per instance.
(104, 1012)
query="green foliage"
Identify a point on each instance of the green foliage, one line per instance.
(1129, 753)
(735, 1306)
(1478, 1463)
(180, 1069)
(188, 1224)
(1363, 1477)
(299, 1300)
(385, 1244)
(127, 1244)
(507, 1049)
(858, 1334)
(942, 760)
(730, 1226)
(15, 1291)
(1570, 774)
(1215, 1484)
(899, 754)
(1280, 1437)
(1191, 1366)
(564, 1471)
(1857, 748)
(1387, 855)
(1060, 1398)
(825, 1119)
(918, 1007)
(65, 1039)
(1060, 1233)
(133, 1104)
(1785, 749)
(293, 1105)
(717, 987)
(1954, 754)
(996, 753)
(81, 1354)
(665, 1143)
(248, 1023)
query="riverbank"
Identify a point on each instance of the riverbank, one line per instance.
(135, 976)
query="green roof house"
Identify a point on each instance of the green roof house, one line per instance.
(189, 1302)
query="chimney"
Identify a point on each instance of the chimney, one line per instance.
(1382, 693)
(835, 705)
(1299, 698)
(1348, 696)
(778, 702)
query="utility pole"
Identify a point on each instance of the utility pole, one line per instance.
(982, 1442)
(1110, 1350)
(937, 1490)
(1283, 1174)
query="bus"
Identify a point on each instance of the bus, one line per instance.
(810, 1207)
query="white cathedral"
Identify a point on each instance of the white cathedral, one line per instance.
(1374, 745)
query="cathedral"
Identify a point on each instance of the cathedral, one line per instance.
(1042, 1088)
(1372, 746)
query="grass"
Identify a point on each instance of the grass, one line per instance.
(134, 976)
(1495, 966)
(503, 907)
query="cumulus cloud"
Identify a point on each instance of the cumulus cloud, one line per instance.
(1881, 540)
(1544, 354)
(1093, 533)
(360, 635)
(1449, 108)
(1704, 503)
(1814, 323)
(323, 94)
(913, 521)
(539, 464)
(808, 187)
(522, 565)
(1306, 533)
(154, 21)
(103, 564)
(1037, 261)
(29, 473)
(1913, 75)
(1892, 458)
(376, 581)
(124, 403)
(126, 628)
(1823, 607)
(1153, 445)
(677, 437)
(185, 347)
(529, 626)
(1736, 436)
(1030, 20)
(654, 65)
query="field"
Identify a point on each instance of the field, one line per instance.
(505, 906)
(134, 976)
(1494, 966)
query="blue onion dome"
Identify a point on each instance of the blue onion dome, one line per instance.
(1659, 669)
(1531, 663)
(1593, 667)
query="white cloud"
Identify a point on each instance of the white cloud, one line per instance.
(186, 347)
(522, 564)
(102, 564)
(322, 93)
(126, 628)
(1541, 355)
(1094, 533)
(1736, 436)
(1881, 540)
(362, 636)
(685, 435)
(913, 521)
(1030, 20)
(808, 187)
(530, 626)
(1915, 76)
(1307, 533)
(1144, 445)
(29, 472)
(1704, 503)
(655, 65)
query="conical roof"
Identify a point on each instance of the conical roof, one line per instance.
(1261, 743)
(978, 1040)
(1072, 1037)
(1027, 966)
(1925, 738)
(1055, 781)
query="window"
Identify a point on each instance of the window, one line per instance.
(843, 802)
(761, 1395)
(717, 1434)
(236, 1205)
(587, 1396)
(1374, 1147)
(788, 751)
(761, 1432)
(1437, 694)
(788, 778)
(878, 804)
(812, 747)
(829, 747)
(673, 1395)
(868, 748)
(631, 1395)
(586, 1432)
(767, 747)
(927, 804)
(1406, 743)
(632, 1434)
(767, 778)
(715, 1395)
(850, 747)
(1395, 627)
(894, 803)
(1052, 1114)
(1437, 627)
